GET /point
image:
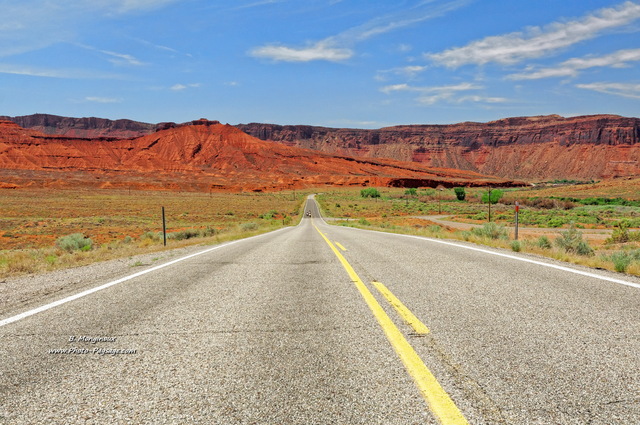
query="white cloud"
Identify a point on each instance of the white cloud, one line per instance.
(120, 6)
(433, 89)
(122, 58)
(32, 71)
(406, 71)
(102, 99)
(180, 87)
(34, 24)
(321, 50)
(435, 94)
(630, 90)
(571, 67)
(535, 41)
(338, 47)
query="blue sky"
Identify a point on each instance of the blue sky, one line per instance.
(337, 63)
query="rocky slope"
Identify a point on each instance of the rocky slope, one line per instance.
(203, 155)
(531, 148)
(82, 127)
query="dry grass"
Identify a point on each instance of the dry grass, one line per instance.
(393, 213)
(119, 223)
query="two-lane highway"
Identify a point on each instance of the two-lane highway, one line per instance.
(290, 328)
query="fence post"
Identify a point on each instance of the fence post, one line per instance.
(517, 211)
(164, 228)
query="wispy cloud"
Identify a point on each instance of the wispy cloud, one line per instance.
(630, 90)
(572, 67)
(180, 87)
(450, 93)
(340, 47)
(32, 71)
(257, 4)
(409, 71)
(34, 24)
(122, 58)
(536, 41)
(126, 6)
(322, 50)
(96, 99)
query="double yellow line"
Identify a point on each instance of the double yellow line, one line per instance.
(436, 397)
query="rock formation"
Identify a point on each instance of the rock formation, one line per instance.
(83, 127)
(531, 148)
(202, 155)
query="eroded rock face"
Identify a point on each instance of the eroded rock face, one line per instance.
(532, 148)
(83, 127)
(528, 148)
(203, 155)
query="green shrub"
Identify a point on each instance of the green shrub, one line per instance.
(491, 230)
(74, 242)
(460, 193)
(571, 241)
(516, 246)
(556, 222)
(496, 195)
(411, 191)
(183, 234)
(619, 235)
(128, 239)
(209, 231)
(249, 226)
(364, 222)
(543, 242)
(435, 228)
(370, 192)
(621, 260)
(154, 236)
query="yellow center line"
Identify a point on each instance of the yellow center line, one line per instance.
(436, 397)
(340, 246)
(406, 314)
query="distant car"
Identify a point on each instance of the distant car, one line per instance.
(308, 213)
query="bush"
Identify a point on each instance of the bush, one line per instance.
(516, 246)
(571, 241)
(184, 234)
(619, 235)
(496, 195)
(364, 222)
(74, 242)
(491, 230)
(249, 226)
(411, 192)
(621, 261)
(543, 242)
(460, 193)
(209, 231)
(370, 192)
(435, 228)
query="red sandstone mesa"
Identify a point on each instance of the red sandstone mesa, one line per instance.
(203, 155)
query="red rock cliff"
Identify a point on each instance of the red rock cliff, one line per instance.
(534, 148)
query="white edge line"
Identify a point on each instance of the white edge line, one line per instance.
(513, 257)
(124, 279)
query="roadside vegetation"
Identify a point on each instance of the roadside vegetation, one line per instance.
(45, 230)
(560, 227)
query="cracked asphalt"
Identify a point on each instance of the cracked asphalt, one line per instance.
(271, 330)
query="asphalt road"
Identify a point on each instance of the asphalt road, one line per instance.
(274, 330)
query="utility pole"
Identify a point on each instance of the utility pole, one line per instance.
(490, 204)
